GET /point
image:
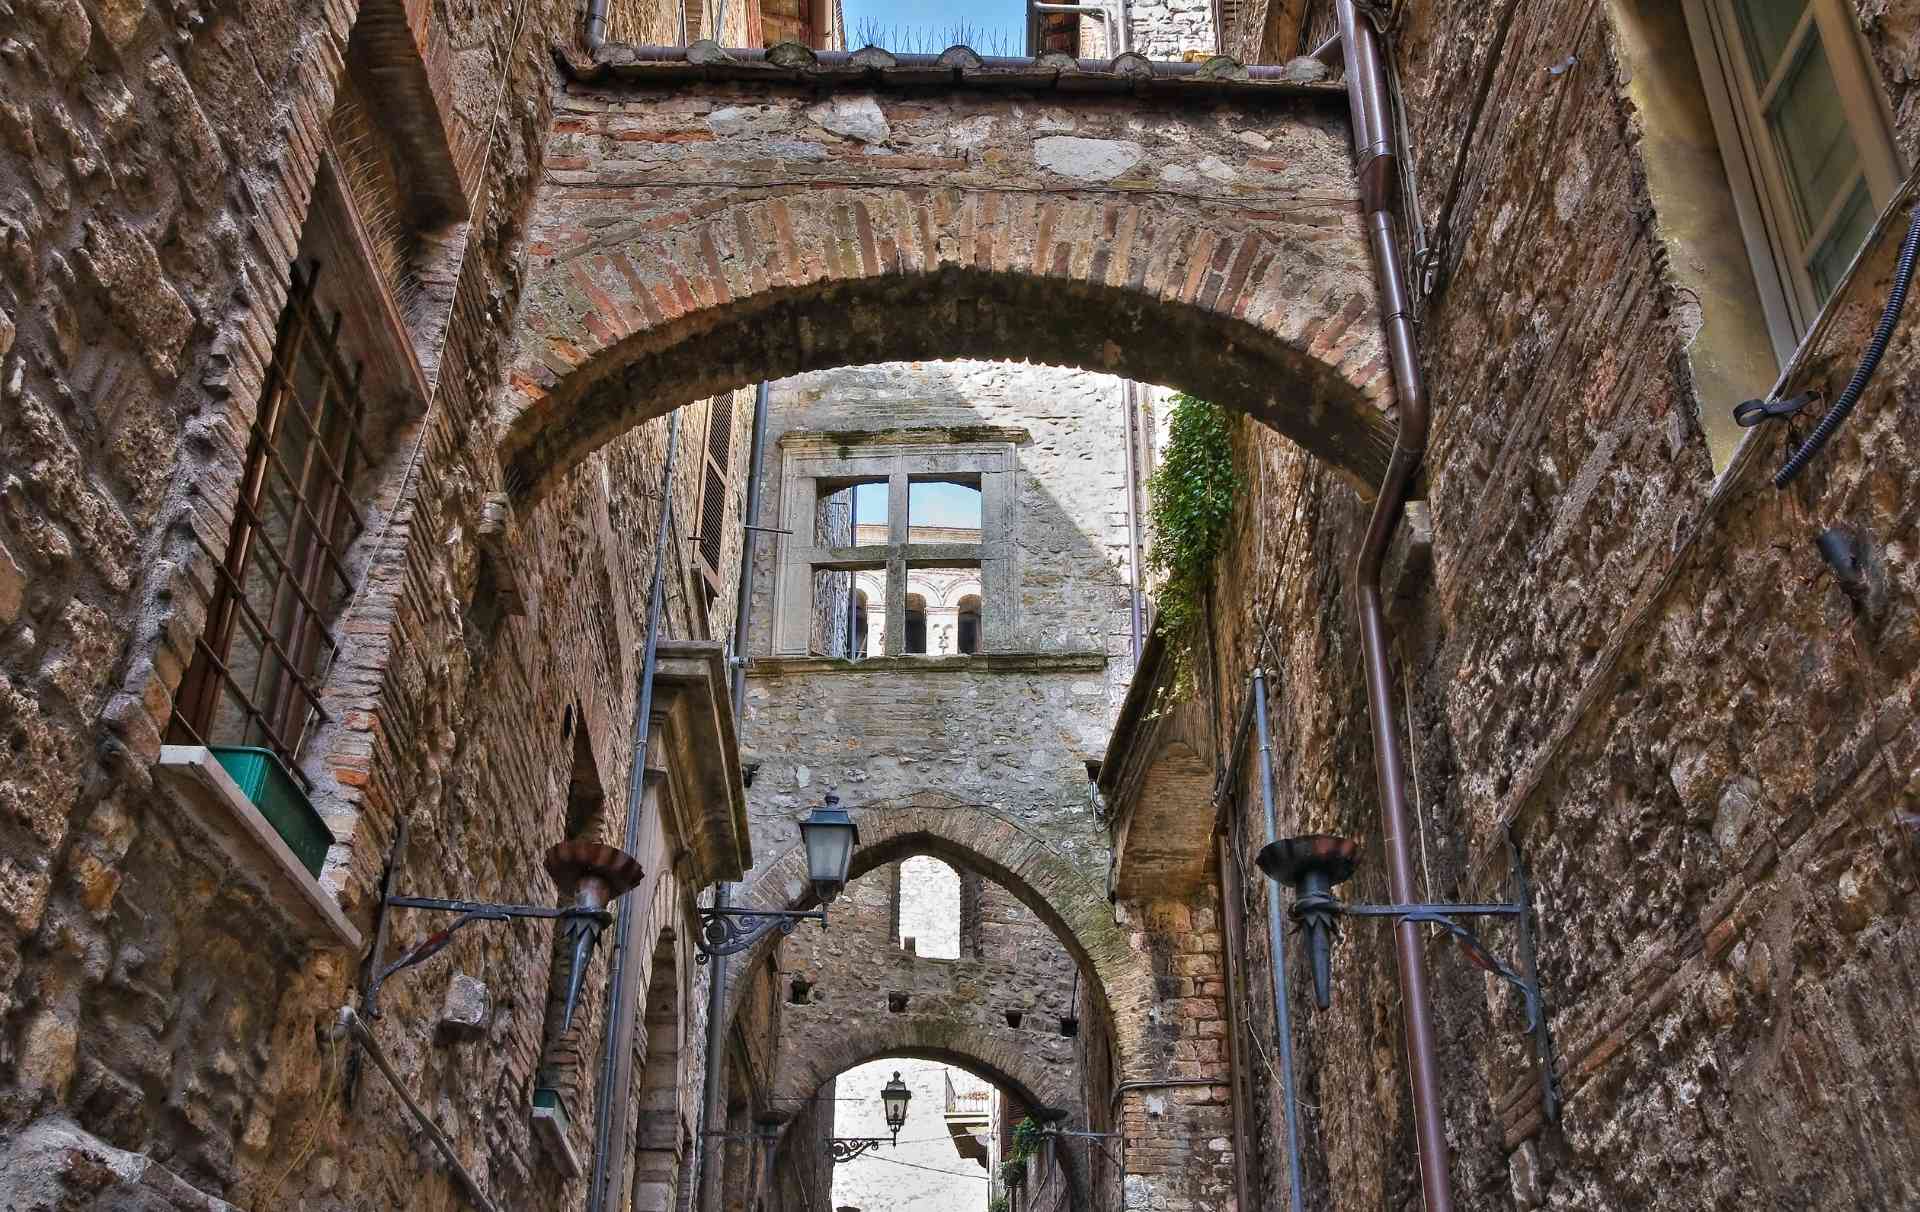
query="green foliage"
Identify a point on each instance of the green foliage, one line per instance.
(1013, 1170)
(1026, 1138)
(999, 1203)
(1190, 501)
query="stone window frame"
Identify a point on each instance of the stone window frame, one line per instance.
(1756, 166)
(811, 462)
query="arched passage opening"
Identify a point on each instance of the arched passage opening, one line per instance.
(1313, 369)
(1070, 903)
(971, 1130)
(653, 285)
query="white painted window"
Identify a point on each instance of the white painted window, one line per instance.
(1808, 146)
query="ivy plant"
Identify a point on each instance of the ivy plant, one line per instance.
(1190, 501)
(1026, 1138)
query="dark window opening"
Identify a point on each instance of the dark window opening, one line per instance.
(969, 624)
(916, 637)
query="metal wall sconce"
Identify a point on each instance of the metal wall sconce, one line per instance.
(593, 875)
(1313, 864)
(894, 1097)
(829, 836)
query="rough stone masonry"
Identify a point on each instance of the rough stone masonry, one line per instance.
(1614, 642)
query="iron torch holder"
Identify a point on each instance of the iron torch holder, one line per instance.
(1315, 863)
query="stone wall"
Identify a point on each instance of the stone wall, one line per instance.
(155, 171)
(1172, 29)
(1702, 741)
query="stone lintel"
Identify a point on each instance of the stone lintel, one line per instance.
(696, 744)
(211, 803)
(403, 55)
(936, 439)
(979, 662)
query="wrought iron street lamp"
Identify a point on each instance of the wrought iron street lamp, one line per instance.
(894, 1097)
(1311, 865)
(828, 836)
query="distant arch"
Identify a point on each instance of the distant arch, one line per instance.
(1072, 903)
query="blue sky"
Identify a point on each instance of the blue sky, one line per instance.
(932, 19)
(927, 505)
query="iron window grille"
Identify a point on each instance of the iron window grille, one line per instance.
(278, 587)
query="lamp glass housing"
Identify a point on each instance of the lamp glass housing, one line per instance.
(895, 1096)
(829, 836)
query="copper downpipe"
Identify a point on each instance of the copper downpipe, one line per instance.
(1376, 168)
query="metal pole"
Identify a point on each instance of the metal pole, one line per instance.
(616, 1057)
(354, 1025)
(1129, 401)
(743, 611)
(1277, 949)
(1375, 156)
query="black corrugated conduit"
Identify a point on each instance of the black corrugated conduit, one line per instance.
(1869, 360)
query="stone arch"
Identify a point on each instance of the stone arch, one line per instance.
(993, 1055)
(998, 1056)
(1271, 314)
(1071, 902)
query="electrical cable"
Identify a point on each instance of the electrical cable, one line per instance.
(1869, 360)
(916, 1166)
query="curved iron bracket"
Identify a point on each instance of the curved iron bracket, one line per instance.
(730, 931)
(1318, 913)
(846, 1148)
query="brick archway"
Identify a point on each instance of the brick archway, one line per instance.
(1071, 902)
(686, 245)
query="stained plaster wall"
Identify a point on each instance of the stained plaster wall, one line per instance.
(1704, 743)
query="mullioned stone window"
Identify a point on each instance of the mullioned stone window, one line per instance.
(870, 566)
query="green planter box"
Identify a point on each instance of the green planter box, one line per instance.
(264, 780)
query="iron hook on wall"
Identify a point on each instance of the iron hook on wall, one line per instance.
(1314, 863)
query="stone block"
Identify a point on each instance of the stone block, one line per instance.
(126, 270)
(467, 1008)
(54, 1164)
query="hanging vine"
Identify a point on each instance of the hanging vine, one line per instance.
(1190, 502)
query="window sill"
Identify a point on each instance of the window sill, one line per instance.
(1087, 661)
(208, 798)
